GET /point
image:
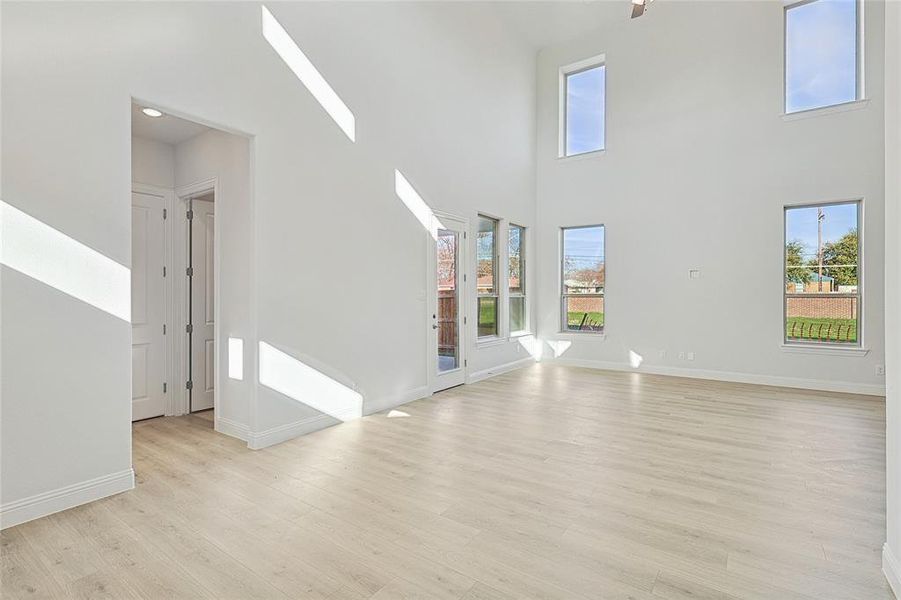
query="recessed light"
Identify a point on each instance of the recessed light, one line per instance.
(151, 112)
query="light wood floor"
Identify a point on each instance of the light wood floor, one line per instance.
(548, 482)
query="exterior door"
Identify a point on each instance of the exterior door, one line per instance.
(447, 305)
(203, 345)
(148, 297)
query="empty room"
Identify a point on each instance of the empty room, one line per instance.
(309, 300)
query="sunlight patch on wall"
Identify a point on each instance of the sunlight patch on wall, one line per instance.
(416, 205)
(559, 347)
(531, 344)
(41, 252)
(236, 358)
(287, 375)
(635, 359)
(308, 75)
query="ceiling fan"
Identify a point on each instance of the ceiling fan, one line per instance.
(639, 6)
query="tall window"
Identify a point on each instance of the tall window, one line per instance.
(516, 273)
(821, 54)
(583, 87)
(822, 274)
(486, 276)
(582, 278)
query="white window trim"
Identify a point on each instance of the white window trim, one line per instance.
(817, 347)
(523, 281)
(861, 99)
(582, 65)
(562, 297)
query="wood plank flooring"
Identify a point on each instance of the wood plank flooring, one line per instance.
(550, 482)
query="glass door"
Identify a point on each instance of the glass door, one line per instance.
(447, 314)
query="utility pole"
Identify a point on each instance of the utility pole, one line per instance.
(820, 217)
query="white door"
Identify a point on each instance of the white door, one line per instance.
(148, 296)
(446, 305)
(203, 345)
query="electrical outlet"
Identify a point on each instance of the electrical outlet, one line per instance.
(694, 274)
(880, 370)
(661, 353)
(691, 356)
(681, 356)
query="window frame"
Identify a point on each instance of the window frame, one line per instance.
(523, 293)
(859, 63)
(821, 344)
(565, 71)
(564, 316)
(496, 281)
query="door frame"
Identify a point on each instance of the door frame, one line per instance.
(432, 298)
(168, 195)
(180, 294)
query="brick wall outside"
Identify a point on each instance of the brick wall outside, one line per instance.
(586, 304)
(822, 308)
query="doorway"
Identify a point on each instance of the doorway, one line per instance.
(447, 301)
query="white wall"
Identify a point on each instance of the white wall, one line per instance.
(892, 550)
(441, 92)
(226, 157)
(152, 162)
(699, 164)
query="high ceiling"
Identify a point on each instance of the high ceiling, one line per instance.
(167, 129)
(545, 23)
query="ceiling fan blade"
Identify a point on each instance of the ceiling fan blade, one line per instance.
(637, 10)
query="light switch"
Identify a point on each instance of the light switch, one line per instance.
(694, 274)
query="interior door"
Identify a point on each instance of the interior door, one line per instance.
(203, 345)
(148, 296)
(447, 305)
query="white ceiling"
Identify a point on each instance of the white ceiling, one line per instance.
(167, 129)
(546, 23)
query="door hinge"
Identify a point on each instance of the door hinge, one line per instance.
(189, 328)
(464, 320)
(464, 235)
(464, 362)
(190, 214)
(164, 218)
(164, 329)
(164, 387)
(164, 270)
(189, 385)
(464, 277)
(189, 271)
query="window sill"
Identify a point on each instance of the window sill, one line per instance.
(599, 336)
(826, 110)
(583, 156)
(487, 342)
(824, 350)
(519, 334)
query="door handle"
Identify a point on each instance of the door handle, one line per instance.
(434, 327)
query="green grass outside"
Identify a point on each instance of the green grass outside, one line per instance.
(806, 328)
(487, 320)
(595, 320)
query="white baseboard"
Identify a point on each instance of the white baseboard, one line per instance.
(376, 406)
(848, 387)
(892, 569)
(41, 505)
(289, 431)
(486, 373)
(233, 428)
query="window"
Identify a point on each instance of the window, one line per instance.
(582, 93)
(486, 276)
(582, 279)
(516, 273)
(822, 274)
(821, 54)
